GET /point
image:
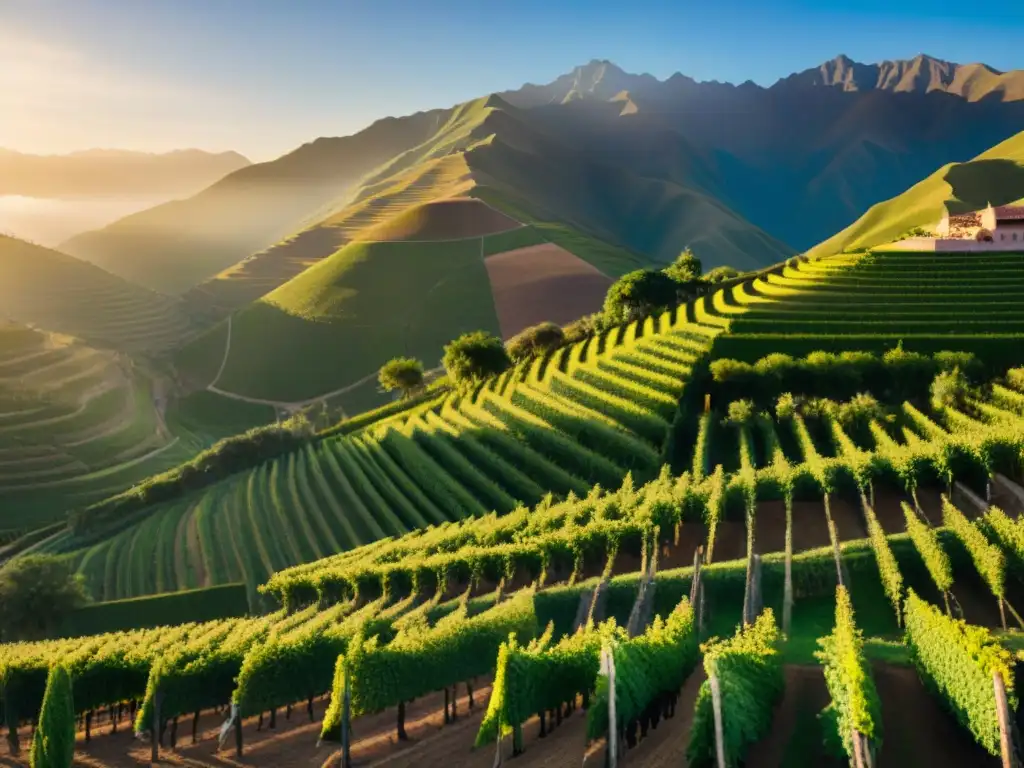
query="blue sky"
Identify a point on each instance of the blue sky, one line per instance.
(263, 76)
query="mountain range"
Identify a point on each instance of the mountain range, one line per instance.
(744, 174)
(101, 172)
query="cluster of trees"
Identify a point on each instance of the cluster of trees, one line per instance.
(477, 355)
(647, 292)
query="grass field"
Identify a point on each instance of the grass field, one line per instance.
(341, 320)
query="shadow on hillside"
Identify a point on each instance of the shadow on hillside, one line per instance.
(978, 183)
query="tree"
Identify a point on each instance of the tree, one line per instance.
(36, 593)
(474, 356)
(687, 267)
(535, 340)
(53, 745)
(402, 373)
(639, 294)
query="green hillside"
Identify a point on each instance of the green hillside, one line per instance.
(995, 176)
(340, 320)
(53, 291)
(77, 424)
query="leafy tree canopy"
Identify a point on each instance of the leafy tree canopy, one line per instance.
(720, 274)
(639, 294)
(536, 339)
(474, 356)
(686, 268)
(404, 374)
(36, 592)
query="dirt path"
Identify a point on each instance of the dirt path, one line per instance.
(916, 730)
(796, 737)
(223, 360)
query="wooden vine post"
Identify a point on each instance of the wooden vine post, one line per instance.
(755, 590)
(716, 706)
(787, 588)
(1008, 749)
(696, 591)
(346, 723)
(154, 729)
(608, 668)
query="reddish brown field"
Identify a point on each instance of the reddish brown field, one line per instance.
(451, 219)
(543, 282)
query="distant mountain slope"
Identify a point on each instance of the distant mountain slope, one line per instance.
(177, 245)
(114, 172)
(743, 174)
(996, 176)
(922, 74)
(56, 292)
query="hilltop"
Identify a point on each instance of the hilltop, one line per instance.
(114, 172)
(995, 176)
(647, 165)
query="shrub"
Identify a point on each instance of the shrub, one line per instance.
(1015, 378)
(402, 373)
(639, 294)
(909, 372)
(786, 406)
(36, 593)
(225, 457)
(53, 745)
(721, 274)
(741, 413)
(535, 340)
(586, 326)
(475, 356)
(949, 389)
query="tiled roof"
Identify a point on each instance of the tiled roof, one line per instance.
(1010, 213)
(965, 220)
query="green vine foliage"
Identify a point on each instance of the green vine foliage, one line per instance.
(646, 667)
(1008, 534)
(749, 670)
(53, 745)
(855, 705)
(928, 547)
(957, 661)
(888, 568)
(539, 676)
(987, 557)
(422, 660)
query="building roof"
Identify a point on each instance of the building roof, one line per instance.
(965, 220)
(1009, 213)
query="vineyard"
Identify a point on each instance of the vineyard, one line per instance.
(678, 540)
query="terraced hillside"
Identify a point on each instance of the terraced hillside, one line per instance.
(261, 273)
(872, 301)
(588, 415)
(50, 290)
(76, 424)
